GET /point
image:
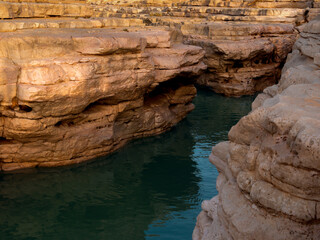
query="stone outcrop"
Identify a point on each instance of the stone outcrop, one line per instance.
(242, 58)
(79, 78)
(246, 42)
(71, 95)
(269, 169)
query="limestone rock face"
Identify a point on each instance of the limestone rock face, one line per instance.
(242, 58)
(245, 41)
(269, 169)
(79, 78)
(73, 94)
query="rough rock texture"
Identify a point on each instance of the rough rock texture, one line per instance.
(81, 77)
(212, 3)
(246, 41)
(269, 185)
(70, 95)
(247, 59)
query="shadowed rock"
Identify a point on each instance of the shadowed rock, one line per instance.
(269, 169)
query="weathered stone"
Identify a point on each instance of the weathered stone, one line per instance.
(246, 42)
(84, 93)
(244, 66)
(274, 157)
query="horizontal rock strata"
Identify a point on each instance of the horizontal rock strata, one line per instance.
(84, 65)
(269, 169)
(246, 42)
(74, 94)
(259, 33)
(242, 58)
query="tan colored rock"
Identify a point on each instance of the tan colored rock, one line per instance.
(83, 93)
(245, 48)
(245, 41)
(247, 65)
(269, 185)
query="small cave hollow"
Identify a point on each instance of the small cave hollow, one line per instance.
(238, 64)
(25, 108)
(67, 122)
(3, 140)
(164, 88)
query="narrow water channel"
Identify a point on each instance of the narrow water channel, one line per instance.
(150, 189)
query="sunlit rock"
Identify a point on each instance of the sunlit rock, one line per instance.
(71, 95)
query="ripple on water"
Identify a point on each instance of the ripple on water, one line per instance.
(150, 189)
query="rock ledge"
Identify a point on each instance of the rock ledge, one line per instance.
(70, 95)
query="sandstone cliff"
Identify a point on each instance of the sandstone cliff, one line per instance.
(80, 78)
(71, 95)
(269, 185)
(246, 41)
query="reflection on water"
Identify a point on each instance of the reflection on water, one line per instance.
(150, 189)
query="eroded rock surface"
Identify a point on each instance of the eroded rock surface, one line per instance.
(106, 71)
(243, 58)
(71, 95)
(269, 169)
(246, 41)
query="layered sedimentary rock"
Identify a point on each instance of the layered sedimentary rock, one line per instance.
(211, 3)
(246, 42)
(70, 95)
(242, 58)
(269, 169)
(80, 66)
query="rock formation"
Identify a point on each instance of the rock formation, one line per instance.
(82, 77)
(242, 65)
(269, 185)
(71, 95)
(246, 41)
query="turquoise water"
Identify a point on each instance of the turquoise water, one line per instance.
(150, 189)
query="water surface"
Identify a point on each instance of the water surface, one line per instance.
(150, 189)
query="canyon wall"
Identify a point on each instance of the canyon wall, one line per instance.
(246, 42)
(72, 95)
(268, 183)
(81, 78)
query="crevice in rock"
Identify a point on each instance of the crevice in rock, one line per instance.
(238, 64)
(92, 105)
(65, 123)
(4, 140)
(165, 87)
(25, 108)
